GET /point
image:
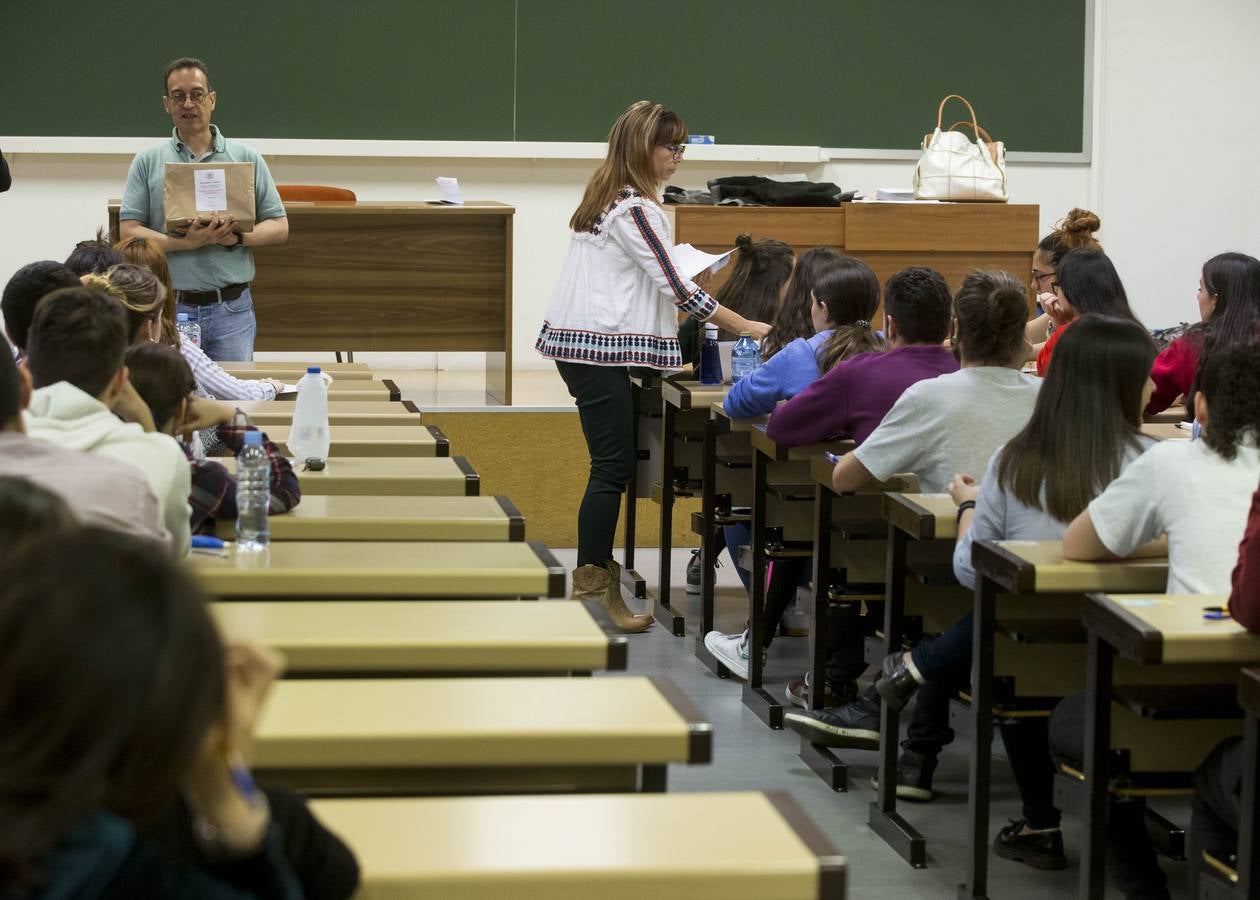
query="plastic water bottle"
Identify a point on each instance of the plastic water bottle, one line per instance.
(710, 357)
(745, 356)
(253, 495)
(188, 331)
(308, 438)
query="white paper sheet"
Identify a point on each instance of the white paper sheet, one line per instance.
(450, 192)
(690, 262)
(210, 187)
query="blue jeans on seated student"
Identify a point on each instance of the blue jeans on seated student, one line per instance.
(228, 328)
(736, 536)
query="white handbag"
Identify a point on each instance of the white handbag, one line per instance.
(954, 167)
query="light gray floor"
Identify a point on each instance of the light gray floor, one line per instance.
(748, 755)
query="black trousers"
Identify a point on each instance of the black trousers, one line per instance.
(607, 414)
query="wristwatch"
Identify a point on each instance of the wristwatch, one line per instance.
(240, 240)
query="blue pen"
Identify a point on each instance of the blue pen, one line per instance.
(1215, 612)
(831, 457)
(206, 541)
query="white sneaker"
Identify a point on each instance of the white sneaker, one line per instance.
(796, 621)
(731, 650)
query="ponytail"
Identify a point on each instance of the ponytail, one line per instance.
(850, 292)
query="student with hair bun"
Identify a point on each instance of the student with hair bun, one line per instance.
(139, 292)
(1086, 282)
(1074, 232)
(1229, 313)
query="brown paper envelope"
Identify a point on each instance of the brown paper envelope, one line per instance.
(227, 186)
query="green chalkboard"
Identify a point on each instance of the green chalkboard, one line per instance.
(831, 73)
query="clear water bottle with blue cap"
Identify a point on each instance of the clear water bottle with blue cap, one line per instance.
(745, 357)
(308, 438)
(189, 330)
(253, 495)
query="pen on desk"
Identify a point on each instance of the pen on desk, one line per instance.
(831, 457)
(1216, 612)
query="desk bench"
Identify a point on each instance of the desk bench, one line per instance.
(712, 846)
(290, 372)
(376, 440)
(476, 735)
(269, 413)
(402, 476)
(424, 638)
(346, 570)
(366, 518)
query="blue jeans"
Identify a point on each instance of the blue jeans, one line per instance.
(227, 327)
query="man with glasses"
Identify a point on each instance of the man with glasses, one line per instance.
(211, 263)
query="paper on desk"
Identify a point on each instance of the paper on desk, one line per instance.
(450, 192)
(690, 262)
(210, 189)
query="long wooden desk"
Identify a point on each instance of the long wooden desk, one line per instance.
(355, 392)
(1014, 570)
(501, 735)
(291, 372)
(953, 238)
(270, 413)
(404, 476)
(1165, 431)
(376, 440)
(389, 275)
(365, 518)
(1166, 631)
(685, 403)
(344, 570)
(397, 639)
(714, 846)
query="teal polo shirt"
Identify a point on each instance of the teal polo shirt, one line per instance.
(211, 267)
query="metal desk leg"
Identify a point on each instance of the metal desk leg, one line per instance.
(981, 764)
(825, 764)
(629, 577)
(757, 698)
(1248, 887)
(883, 816)
(1098, 665)
(663, 611)
(708, 560)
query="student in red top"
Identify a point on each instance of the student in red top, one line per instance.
(1229, 312)
(1086, 282)
(1244, 599)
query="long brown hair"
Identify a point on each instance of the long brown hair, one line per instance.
(143, 251)
(850, 291)
(161, 377)
(795, 316)
(758, 274)
(638, 131)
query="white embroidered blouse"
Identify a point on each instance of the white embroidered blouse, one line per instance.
(619, 295)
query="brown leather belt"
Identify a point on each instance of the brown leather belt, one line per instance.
(205, 298)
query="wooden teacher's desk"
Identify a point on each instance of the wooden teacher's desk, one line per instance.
(385, 275)
(953, 238)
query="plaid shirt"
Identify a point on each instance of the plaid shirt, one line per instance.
(214, 487)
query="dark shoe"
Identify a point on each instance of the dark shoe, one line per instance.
(897, 685)
(693, 572)
(914, 776)
(797, 693)
(1041, 849)
(856, 724)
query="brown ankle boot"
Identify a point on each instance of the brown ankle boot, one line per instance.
(615, 604)
(589, 583)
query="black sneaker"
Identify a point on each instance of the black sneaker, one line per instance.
(693, 572)
(914, 776)
(897, 685)
(1041, 849)
(856, 724)
(797, 692)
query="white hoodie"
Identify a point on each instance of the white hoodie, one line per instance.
(62, 414)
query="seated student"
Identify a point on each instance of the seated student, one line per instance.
(152, 707)
(852, 398)
(1074, 232)
(83, 400)
(24, 290)
(1086, 282)
(27, 510)
(795, 317)
(100, 491)
(940, 426)
(1197, 494)
(1031, 489)
(842, 302)
(140, 294)
(163, 380)
(212, 380)
(755, 289)
(1229, 312)
(93, 257)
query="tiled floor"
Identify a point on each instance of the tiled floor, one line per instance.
(749, 755)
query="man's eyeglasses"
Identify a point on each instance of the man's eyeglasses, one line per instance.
(676, 150)
(197, 97)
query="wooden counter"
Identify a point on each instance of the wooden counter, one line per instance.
(367, 518)
(404, 476)
(389, 275)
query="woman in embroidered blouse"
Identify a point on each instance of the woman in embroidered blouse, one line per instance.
(615, 307)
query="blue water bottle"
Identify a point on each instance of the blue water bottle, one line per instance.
(253, 495)
(710, 359)
(745, 356)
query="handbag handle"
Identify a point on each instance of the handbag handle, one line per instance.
(979, 129)
(940, 111)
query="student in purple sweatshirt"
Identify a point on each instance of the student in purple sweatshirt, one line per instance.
(848, 401)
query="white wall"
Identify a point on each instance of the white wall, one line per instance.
(1172, 177)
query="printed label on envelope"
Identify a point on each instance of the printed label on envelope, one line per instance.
(210, 188)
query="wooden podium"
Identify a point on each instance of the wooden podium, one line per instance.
(953, 238)
(365, 275)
